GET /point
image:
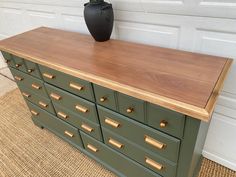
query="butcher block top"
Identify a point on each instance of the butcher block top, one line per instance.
(185, 82)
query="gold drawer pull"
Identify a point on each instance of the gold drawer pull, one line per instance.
(26, 94)
(87, 128)
(55, 96)
(17, 65)
(43, 104)
(49, 76)
(69, 134)
(81, 108)
(37, 87)
(30, 70)
(63, 115)
(18, 78)
(154, 142)
(130, 110)
(112, 123)
(76, 86)
(103, 99)
(34, 113)
(92, 148)
(153, 164)
(163, 124)
(115, 143)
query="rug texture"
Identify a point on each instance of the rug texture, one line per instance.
(26, 150)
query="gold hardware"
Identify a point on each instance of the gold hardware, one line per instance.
(43, 104)
(112, 123)
(69, 134)
(163, 124)
(37, 87)
(92, 148)
(115, 143)
(76, 86)
(49, 76)
(34, 113)
(61, 114)
(81, 108)
(30, 70)
(154, 142)
(55, 96)
(18, 78)
(153, 164)
(26, 94)
(17, 65)
(129, 110)
(87, 128)
(103, 99)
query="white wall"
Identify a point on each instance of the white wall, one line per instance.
(205, 26)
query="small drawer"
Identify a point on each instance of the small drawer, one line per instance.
(8, 59)
(19, 63)
(26, 81)
(131, 107)
(160, 165)
(78, 105)
(77, 121)
(70, 83)
(115, 160)
(149, 138)
(57, 126)
(32, 69)
(165, 120)
(105, 97)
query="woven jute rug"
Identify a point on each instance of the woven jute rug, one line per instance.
(26, 150)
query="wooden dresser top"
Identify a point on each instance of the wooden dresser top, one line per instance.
(185, 82)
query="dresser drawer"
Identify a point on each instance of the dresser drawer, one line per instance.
(149, 138)
(165, 120)
(120, 163)
(59, 127)
(72, 84)
(91, 128)
(32, 69)
(78, 105)
(8, 58)
(19, 63)
(160, 165)
(131, 107)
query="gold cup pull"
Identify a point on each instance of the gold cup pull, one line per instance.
(55, 96)
(81, 108)
(18, 78)
(18, 65)
(115, 143)
(49, 76)
(26, 94)
(154, 142)
(163, 124)
(130, 110)
(76, 86)
(92, 148)
(43, 104)
(63, 115)
(69, 134)
(35, 86)
(30, 70)
(112, 123)
(103, 99)
(153, 164)
(87, 128)
(34, 112)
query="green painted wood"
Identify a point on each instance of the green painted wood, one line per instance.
(9, 60)
(20, 62)
(122, 164)
(77, 121)
(70, 102)
(136, 132)
(139, 154)
(63, 81)
(33, 69)
(175, 121)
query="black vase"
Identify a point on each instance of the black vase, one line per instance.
(99, 19)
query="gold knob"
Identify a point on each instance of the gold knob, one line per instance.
(112, 123)
(35, 86)
(55, 96)
(154, 142)
(18, 78)
(49, 76)
(69, 134)
(63, 115)
(17, 65)
(81, 108)
(115, 143)
(76, 86)
(30, 70)
(26, 94)
(153, 164)
(43, 104)
(87, 128)
(163, 124)
(103, 99)
(92, 148)
(129, 110)
(34, 113)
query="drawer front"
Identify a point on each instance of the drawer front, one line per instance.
(139, 154)
(149, 138)
(83, 124)
(19, 63)
(165, 120)
(78, 105)
(32, 69)
(131, 107)
(26, 81)
(116, 160)
(59, 127)
(105, 97)
(8, 58)
(72, 84)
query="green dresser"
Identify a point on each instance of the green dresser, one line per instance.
(151, 137)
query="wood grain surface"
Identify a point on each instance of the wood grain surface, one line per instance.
(182, 81)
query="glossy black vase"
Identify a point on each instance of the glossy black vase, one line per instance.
(99, 19)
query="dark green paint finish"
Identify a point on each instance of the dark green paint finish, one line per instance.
(63, 81)
(9, 60)
(175, 121)
(70, 102)
(125, 102)
(120, 163)
(136, 132)
(19, 63)
(77, 121)
(33, 69)
(139, 154)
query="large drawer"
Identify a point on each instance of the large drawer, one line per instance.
(8, 58)
(91, 128)
(67, 82)
(124, 166)
(149, 138)
(59, 127)
(72, 102)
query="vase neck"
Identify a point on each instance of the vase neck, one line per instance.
(96, 1)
